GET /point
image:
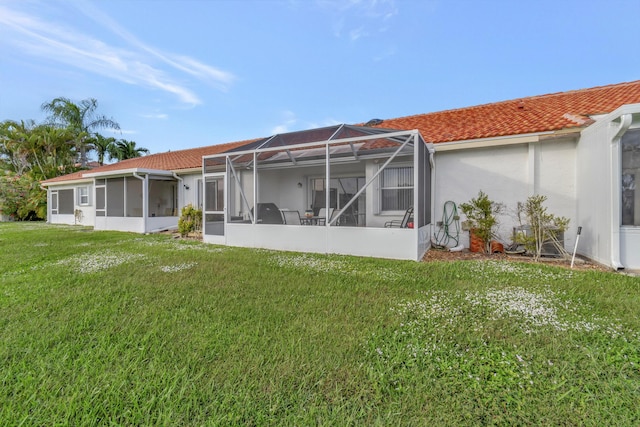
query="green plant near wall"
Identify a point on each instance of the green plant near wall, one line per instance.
(190, 220)
(481, 212)
(544, 226)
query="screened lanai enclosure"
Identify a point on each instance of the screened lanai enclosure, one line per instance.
(342, 189)
(137, 200)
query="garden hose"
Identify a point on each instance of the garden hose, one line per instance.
(450, 224)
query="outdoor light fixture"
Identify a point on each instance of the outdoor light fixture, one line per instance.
(186, 187)
(299, 185)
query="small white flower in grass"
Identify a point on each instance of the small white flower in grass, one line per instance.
(177, 267)
(91, 263)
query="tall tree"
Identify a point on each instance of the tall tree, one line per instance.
(40, 150)
(29, 154)
(128, 150)
(13, 136)
(81, 119)
(105, 147)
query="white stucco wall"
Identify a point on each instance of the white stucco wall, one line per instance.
(189, 193)
(508, 174)
(87, 215)
(599, 192)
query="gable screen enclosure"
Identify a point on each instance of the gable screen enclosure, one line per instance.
(340, 189)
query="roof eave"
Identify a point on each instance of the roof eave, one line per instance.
(129, 171)
(504, 140)
(66, 182)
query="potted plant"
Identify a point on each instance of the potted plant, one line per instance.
(481, 216)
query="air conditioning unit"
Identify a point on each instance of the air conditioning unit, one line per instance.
(549, 247)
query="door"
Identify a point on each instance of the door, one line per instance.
(214, 208)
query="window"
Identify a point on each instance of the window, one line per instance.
(630, 178)
(341, 191)
(101, 199)
(54, 202)
(396, 188)
(199, 195)
(65, 202)
(83, 196)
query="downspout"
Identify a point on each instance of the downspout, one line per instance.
(432, 163)
(145, 202)
(625, 122)
(180, 191)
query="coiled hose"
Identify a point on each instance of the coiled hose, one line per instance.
(450, 225)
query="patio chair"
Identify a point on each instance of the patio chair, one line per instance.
(403, 223)
(323, 215)
(291, 217)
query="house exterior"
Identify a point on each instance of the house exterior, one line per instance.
(580, 149)
(141, 195)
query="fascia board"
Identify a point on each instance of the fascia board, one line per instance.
(69, 182)
(129, 172)
(188, 171)
(605, 119)
(489, 142)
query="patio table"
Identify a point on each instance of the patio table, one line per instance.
(314, 220)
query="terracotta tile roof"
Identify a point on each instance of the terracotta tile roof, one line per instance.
(171, 160)
(550, 112)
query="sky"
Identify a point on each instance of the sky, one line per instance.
(190, 73)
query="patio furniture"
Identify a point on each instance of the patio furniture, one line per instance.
(322, 216)
(268, 213)
(405, 222)
(291, 217)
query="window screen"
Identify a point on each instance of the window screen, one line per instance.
(396, 188)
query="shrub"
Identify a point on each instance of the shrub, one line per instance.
(544, 226)
(481, 213)
(22, 198)
(190, 220)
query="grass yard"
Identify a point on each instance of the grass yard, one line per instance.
(108, 328)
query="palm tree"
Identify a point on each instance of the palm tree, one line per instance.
(40, 150)
(81, 119)
(128, 150)
(105, 147)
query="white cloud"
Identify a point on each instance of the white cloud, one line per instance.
(288, 121)
(291, 123)
(121, 131)
(367, 16)
(357, 33)
(136, 63)
(157, 116)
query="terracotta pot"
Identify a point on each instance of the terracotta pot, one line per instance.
(475, 242)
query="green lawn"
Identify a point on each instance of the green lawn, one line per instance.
(107, 328)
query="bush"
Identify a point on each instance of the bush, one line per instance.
(481, 213)
(22, 198)
(544, 226)
(190, 220)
